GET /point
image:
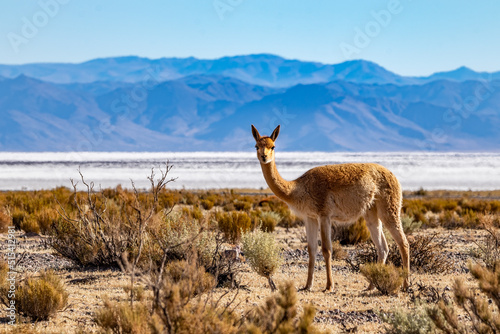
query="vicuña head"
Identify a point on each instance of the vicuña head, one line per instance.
(338, 194)
(265, 145)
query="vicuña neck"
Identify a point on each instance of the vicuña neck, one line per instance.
(279, 186)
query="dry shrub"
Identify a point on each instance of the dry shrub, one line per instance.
(22, 329)
(182, 304)
(426, 255)
(242, 205)
(232, 224)
(177, 309)
(30, 224)
(385, 277)
(104, 231)
(279, 315)
(167, 199)
(451, 213)
(198, 281)
(489, 249)
(351, 234)
(207, 204)
(178, 235)
(263, 254)
(338, 252)
(288, 219)
(39, 298)
(5, 220)
(421, 293)
(121, 318)
(194, 212)
(190, 198)
(484, 313)
(269, 220)
(46, 217)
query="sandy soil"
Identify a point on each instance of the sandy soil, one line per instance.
(349, 308)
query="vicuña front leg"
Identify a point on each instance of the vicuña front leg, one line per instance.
(326, 249)
(312, 249)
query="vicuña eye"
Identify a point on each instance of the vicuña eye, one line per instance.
(256, 147)
(272, 148)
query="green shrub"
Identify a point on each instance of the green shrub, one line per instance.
(415, 321)
(262, 253)
(232, 224)
(385, 277)
(41, 297)
(177, 234)
(410, 225)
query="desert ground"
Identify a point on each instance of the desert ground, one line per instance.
(349, 308)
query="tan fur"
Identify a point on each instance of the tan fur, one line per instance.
(338, 194)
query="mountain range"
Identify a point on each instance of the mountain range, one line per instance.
(189, 104)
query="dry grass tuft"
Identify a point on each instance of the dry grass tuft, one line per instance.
(122, 318)
(338, 252)
(5, 220)
(385, 277)
(232, 224)
(351, 234)
(39, 298)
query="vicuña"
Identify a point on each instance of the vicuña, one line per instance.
(338, 194)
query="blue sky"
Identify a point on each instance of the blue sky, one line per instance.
(416, 37)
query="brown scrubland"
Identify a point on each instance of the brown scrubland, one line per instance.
(156, 260)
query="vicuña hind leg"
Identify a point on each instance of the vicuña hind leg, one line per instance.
(375, 227)
(312, 249)
(392, 222)
(326, 249)
(376, 233)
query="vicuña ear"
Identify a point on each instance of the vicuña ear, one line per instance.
(255, 133)
(275, 133)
